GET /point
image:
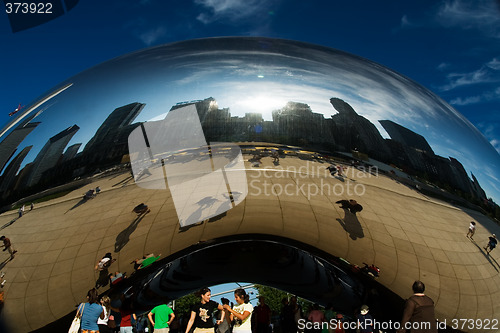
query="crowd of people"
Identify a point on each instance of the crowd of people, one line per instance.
(207, 316)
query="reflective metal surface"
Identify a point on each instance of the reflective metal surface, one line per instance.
(236, 137)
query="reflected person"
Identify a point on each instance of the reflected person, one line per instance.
(419, 311)
(242, 312)
(202, 313)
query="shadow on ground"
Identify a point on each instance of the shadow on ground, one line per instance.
(351, 225)
(124, 237)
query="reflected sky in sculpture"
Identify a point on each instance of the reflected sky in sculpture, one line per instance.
(262, 75)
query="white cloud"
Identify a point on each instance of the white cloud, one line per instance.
(488, 73)
(233, 10)
(466, 79)
(496, 144)
(443, 66)
(466, 100)
(484, 97)
(406, 23)
(494, 64)
(146, 31)
(481, 15)
(490, 131)
(151, 36)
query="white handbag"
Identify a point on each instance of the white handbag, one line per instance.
(75, 325)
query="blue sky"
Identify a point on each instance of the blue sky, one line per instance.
(451, 47)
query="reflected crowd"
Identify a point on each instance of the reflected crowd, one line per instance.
(201, 314)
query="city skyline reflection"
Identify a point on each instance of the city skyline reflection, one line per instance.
(246, 75)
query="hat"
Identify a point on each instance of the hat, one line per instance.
(364, 309)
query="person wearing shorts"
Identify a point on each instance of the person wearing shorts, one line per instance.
(472, 230)
(163, 317)
(491, 244)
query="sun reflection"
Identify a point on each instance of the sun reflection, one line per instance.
(260, 103)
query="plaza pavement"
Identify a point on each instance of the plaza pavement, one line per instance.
(408, 235)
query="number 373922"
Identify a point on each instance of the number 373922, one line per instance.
(28, 8)
(485, 324)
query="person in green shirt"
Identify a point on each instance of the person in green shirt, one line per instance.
(163, 317)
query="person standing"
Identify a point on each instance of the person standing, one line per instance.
(492, 243)
(339, 325)
(103, 322)
(105, 262)
(365, 320)
(330, 317)
(91, 311)
(127, 313)
(317, 317)
(332, 168)
(262, 314)
(202, 313)
(419, 309)
(340, 170)
(472, 230)
(8, 246)
(163, 317)
(297, 310)
(242, 312)
(225, 325)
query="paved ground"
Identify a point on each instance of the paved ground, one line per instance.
(406, 234)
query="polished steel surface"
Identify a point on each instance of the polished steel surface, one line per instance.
(253, 139)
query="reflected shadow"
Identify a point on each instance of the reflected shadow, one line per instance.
(339, 178)
(78, 204)
(144, 173)
(117, 175)
(255, 161)
(232, 196)
(124, 237)
(194, 218)
(351, 225)
(124, 181)
(216, 217)
(3, 263)
(103, 279)
(208, 202)
(9, 223)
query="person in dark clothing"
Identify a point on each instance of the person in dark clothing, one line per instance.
(492, 243)
(262, 316)
(365, 320)
(419, 309)
(201, 318)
